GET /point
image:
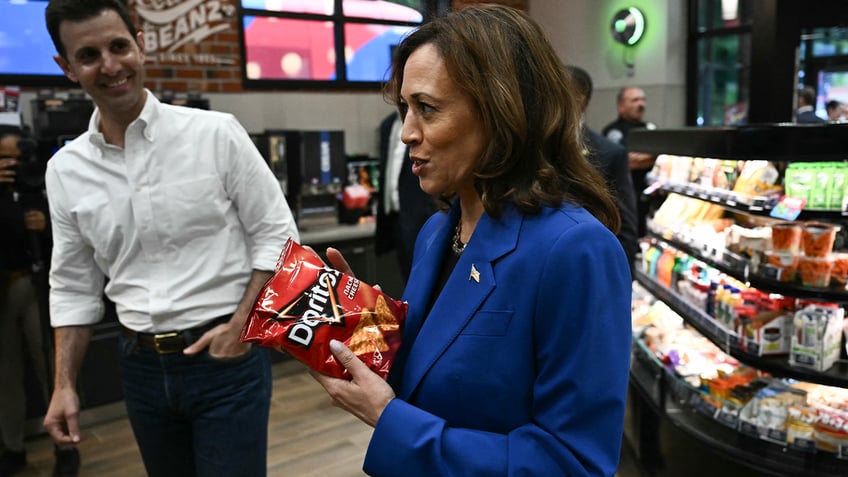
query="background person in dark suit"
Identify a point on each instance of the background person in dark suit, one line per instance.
(835, 111)
(630, 102)
(806, 112)
(402, 206)
(611, 159)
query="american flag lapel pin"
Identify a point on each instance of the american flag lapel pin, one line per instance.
(475, 275)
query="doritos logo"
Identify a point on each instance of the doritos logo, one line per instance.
(317, 305)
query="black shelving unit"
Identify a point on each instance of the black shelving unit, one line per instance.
(689, 414)
(771, 142)
(681, 414)
(738, 267)
(729, 342)
(758, 205)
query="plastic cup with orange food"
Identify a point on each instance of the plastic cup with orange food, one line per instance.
(815, 271)
(839, 273)
(786, 237)
(817, 238)
(785, 263)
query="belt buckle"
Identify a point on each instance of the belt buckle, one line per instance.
(163, 336)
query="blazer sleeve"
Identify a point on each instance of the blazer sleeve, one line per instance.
(581, 345)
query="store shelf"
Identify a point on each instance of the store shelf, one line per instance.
(728, 341)
(739, 267)
(718, 428)
(772, 142)
(722, 430)
(734, 202)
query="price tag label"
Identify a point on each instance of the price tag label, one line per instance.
(748, 428)
(733, 340)
(702, 406)
(803, 359)
(805, 445)
(731, 199)
(776, 435)
(728, 418)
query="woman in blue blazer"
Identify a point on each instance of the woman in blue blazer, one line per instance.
(516, 347)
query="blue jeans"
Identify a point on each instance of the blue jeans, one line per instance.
(198, 415)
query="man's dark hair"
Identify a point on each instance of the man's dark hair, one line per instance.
(582, 81)
(831, 105)
(79, 10)
(808, 95)
(9, 130)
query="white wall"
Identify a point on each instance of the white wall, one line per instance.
(578, 29)
(580, 32)
(357, 114)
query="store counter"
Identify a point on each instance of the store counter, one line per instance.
(354, 241)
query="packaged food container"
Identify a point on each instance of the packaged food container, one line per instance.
(817, 238)
(815, 271)
(786, 237)
(839, 274)
(786, 265)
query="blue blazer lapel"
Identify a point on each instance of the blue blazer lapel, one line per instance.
(470, 283)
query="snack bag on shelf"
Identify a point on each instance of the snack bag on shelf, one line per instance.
(306, 304)
(798, 180)
(837, 187)
(757, 178)
(821, 186)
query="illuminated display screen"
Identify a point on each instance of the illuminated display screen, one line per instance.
(304, 48)
(25, 46)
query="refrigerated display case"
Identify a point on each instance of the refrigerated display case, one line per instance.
(676, 427)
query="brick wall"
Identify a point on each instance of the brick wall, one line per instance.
(193, 46)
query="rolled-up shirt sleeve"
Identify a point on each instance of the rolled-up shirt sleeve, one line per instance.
(76, 283)
(258, 198)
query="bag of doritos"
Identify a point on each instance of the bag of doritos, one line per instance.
(306, 304)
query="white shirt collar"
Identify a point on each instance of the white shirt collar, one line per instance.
(147, 116)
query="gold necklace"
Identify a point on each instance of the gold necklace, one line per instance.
(457, 246)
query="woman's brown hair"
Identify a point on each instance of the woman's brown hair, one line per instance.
(503, 60)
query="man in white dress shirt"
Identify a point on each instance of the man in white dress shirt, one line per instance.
(178, 209)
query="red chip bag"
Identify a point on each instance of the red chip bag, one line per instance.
(306, 304)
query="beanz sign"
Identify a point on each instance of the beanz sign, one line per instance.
(171, 27)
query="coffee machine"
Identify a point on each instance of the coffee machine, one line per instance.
(311, 167)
